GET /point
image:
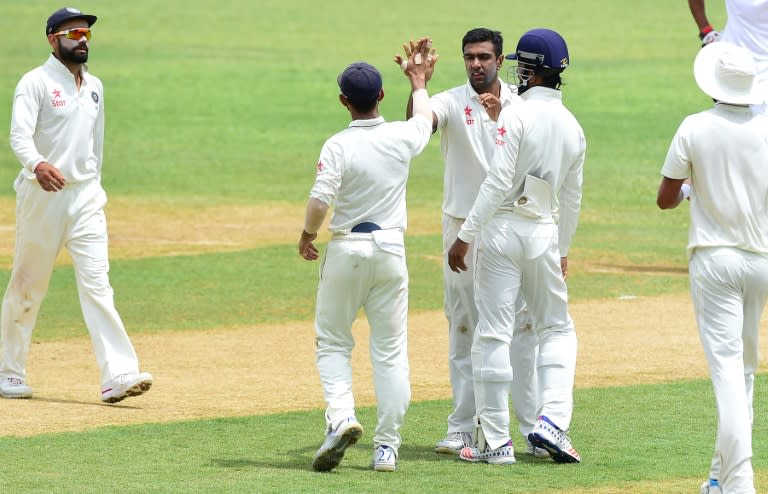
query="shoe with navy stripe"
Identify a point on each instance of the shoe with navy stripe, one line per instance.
(503, 455)
(550, 437)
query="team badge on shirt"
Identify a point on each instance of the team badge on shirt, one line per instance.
(94, 97)
(500, 137)
(320, 166)
(57, 101)
(468, 115)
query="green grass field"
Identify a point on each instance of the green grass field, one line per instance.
(212, 103)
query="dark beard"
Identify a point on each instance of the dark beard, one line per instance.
(72, 56)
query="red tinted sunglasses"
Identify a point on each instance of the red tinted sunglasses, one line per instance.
(75, 33)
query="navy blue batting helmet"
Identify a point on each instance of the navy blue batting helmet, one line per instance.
(543, 48)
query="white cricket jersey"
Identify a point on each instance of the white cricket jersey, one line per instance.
(363, 170)
(539, 137)
(53, 121)
(747, 26)
(466, 143)
(723, 150)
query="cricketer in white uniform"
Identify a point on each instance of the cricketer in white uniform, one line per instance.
(467, 142)
(57, 133)
(527, 208)
(723, 152)
(747, 26)
(362, 172)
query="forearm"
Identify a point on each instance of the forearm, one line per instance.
(420, 100)
(315, 215)
(699, 13)
(409, 107)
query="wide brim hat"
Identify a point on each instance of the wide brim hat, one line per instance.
(728, 73)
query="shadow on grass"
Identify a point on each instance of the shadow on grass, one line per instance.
(90, 403)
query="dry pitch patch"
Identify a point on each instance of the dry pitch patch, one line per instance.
(206, 374)
(223, 373)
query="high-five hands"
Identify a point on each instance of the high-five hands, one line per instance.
(416, 53)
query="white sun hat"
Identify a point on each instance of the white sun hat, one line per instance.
(727, 73)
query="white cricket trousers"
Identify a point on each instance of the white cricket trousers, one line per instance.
(729, 288)
(45, 222)
(462, 315)
(517, 254)
(356, 273)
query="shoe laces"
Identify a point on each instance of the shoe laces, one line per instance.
(464, 437)
(558, 433)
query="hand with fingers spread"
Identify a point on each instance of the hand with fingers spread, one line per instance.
(49, 177)
(416, 52)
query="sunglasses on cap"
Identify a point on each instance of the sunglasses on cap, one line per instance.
(76, 33)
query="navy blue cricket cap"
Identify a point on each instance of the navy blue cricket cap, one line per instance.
(543, 48)
(65, 14)
(360, 83)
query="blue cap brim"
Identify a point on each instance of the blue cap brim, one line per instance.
(511, 56)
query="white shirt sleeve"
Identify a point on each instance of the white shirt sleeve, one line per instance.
(441, 107)
(501, 173)
(570, 203)
(26, 107)
(98, 132)
(329, 173)
(419, 139)
(677, 164)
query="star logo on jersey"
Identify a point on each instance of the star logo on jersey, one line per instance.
(320, 166)
(468, 115)
(57, 102)
(501, 131)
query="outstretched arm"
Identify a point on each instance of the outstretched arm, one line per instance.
(419, 68)
(431, 57)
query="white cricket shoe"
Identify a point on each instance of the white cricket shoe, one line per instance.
(14, 387)
(532, 450)
(125, 385)
(550, 437)
(336, 443)
(384, 458)
(454, 442)
(711, 486)
(503, 455)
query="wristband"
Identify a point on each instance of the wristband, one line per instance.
(705, 31)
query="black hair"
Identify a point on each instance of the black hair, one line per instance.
(550, 77)
(481, 34)
(364, 106)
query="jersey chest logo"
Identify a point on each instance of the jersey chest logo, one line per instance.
(468, 115)
(57, 101)
(500, 135)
